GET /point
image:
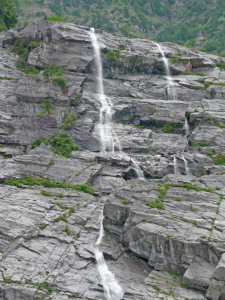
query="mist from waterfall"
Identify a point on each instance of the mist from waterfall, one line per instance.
(171, 90)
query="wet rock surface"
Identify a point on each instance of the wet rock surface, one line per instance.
(164, 235)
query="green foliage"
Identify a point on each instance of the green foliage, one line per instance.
(47, 194)
(60, 205)
(31, 70)
(124, 201)
(196, 188)
(47, 108)
(23, 49)
(67, 230)
(30, 181)
(221, 65)
(53, 71)
(70, 118)
(42, 227)
(6, 156)
(8, 15)
(56, 19)
(61, 143)
(114, 55)
(61, 218)
(8, 78)
(44, 286)
(60, 81)
(210, 153)
(144, 18)
(170, 128)
(142, 183)
(155, 287)
(72, 210)
(193, 73)
(178, 60)
(220, 159)
(157, 204)
(201, 144)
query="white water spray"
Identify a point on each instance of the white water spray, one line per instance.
(175, 165)
(112, 290)
(186, 127)
(187, 131)
(108, 138)
(186, 165)
(171, 90)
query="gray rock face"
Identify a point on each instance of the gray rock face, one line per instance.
(172, 222)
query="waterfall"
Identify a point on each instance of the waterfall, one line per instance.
(171, 90)
(186, 127)
(187, 131)
(112, 289)
(186, 165)
(108, 137)
(172, 94)
(109, 140)
(175, 165)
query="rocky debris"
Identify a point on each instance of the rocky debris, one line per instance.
(172, 221)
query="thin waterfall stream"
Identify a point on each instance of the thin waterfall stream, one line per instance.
(108, 138)
(109, 142)
(171, 90)
(172, 95)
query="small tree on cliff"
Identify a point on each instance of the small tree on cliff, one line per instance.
(8, 15)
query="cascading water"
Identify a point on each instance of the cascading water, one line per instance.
(108, 138)
(176, 172)
(187, 131)
(112, 289)
(109, 142)
(171, 90)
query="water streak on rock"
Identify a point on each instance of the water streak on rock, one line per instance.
(112, 289)
(171, 90)
(108, 138)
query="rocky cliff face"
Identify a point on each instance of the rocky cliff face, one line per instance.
(165, 234)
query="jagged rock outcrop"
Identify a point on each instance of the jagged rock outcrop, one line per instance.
(173, 221)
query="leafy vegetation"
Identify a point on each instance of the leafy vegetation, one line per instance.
(47, 108)
(124, 201)
(61, 143)
(144, 18)
(220, 159)
(70, 118)
(114, 55)
(60, 81)
(156, 204)
(56, 19)
(53, 71)
(196, 188)
(8, 15)
(170, 128)
(30, 181)
(23, 49)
